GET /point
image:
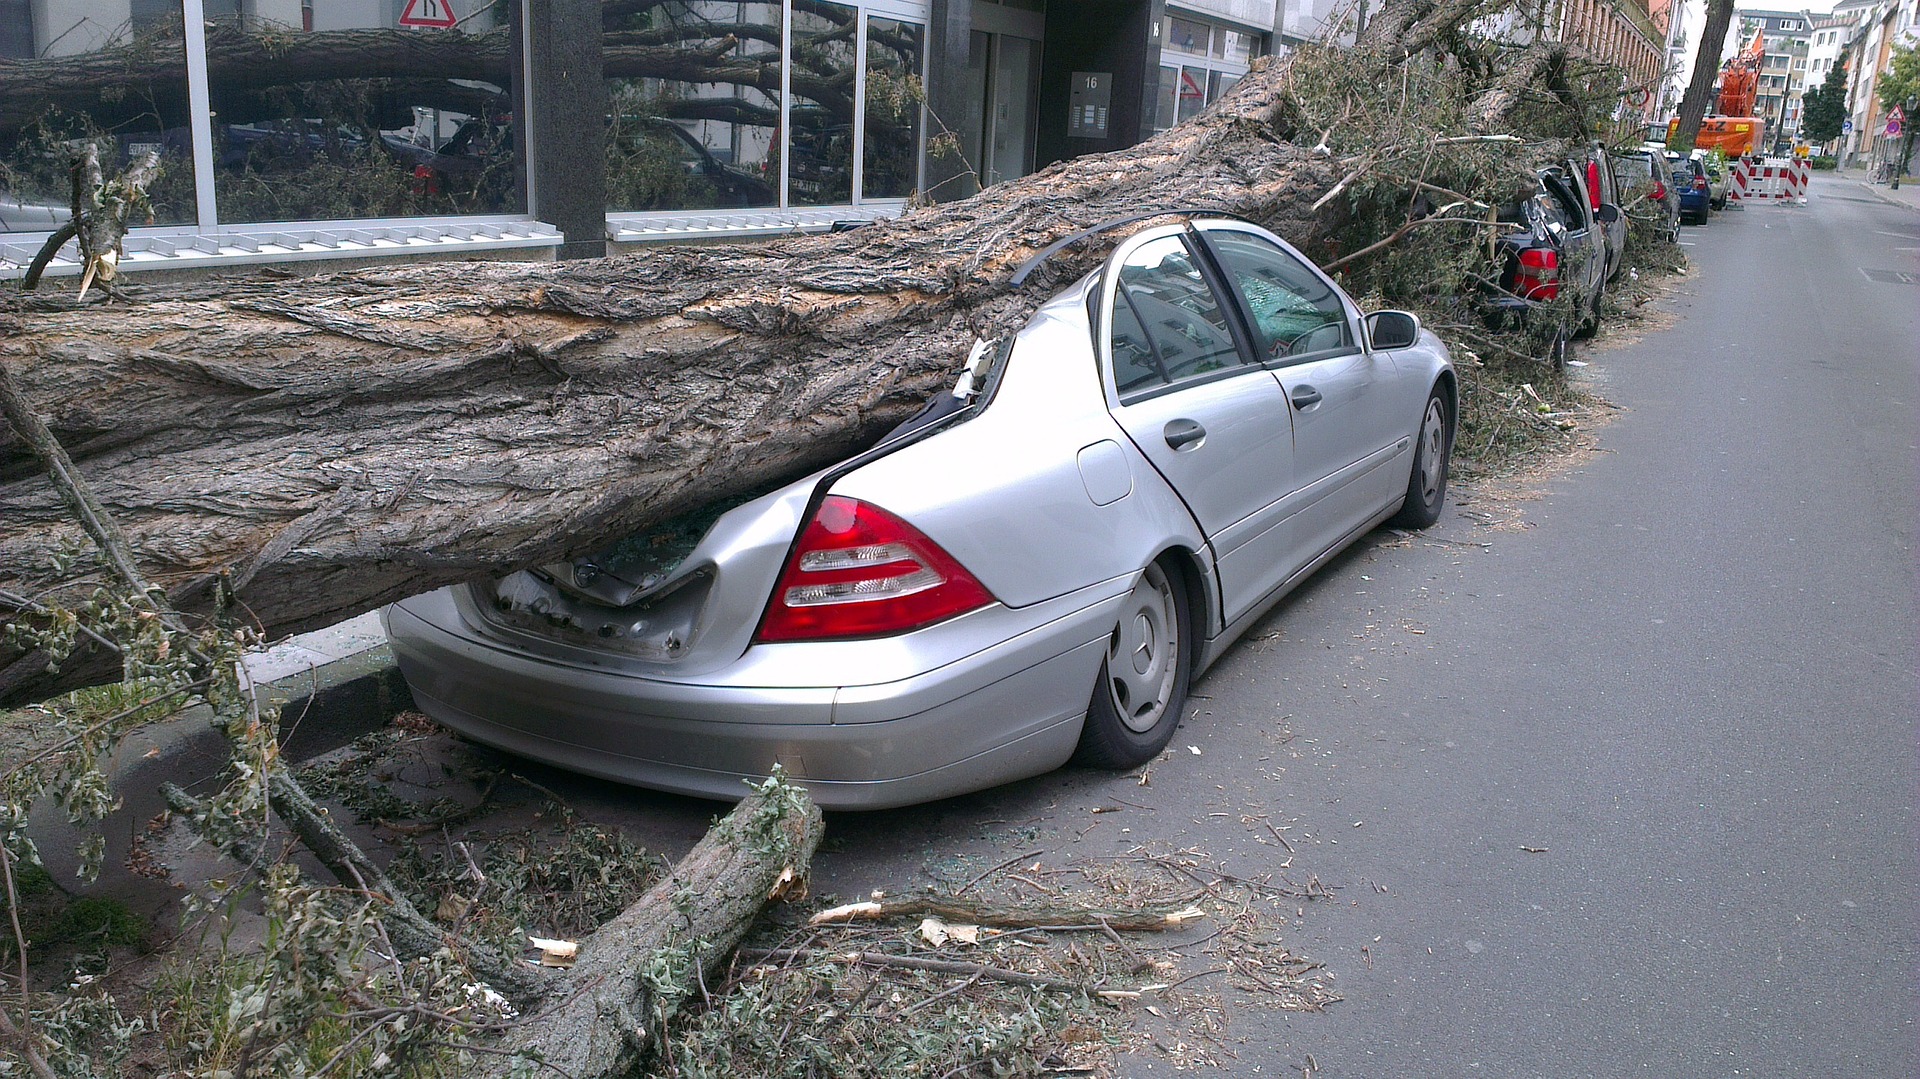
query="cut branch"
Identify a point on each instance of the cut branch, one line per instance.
(634, 974)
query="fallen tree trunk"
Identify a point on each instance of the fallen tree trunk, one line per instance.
(332, 443)
(635, 972)
(338, 442)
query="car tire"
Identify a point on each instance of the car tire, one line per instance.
(1142, 690)
(1559, 349)
(1590, 319)
(1432, 452)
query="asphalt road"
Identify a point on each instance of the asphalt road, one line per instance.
(1691, 681)
(1614, 779)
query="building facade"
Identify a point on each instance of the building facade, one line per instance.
(1878, 28)
(316, 129)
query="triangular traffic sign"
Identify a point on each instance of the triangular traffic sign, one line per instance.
(437, 14)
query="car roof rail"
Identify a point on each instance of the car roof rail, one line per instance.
(1026, 268)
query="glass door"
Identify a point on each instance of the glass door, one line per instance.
(1003, 80)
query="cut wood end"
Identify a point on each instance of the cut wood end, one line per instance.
(555, 953)
(845, 913)
(787, 886)
(1181, 917)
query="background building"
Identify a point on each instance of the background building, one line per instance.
(301, 129)
(1783, 72)
(1878, 27)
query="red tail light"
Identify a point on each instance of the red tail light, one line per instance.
(1699, 183)
(1539, 276)
(1593, 184)
(1659, 191)
(859, 571)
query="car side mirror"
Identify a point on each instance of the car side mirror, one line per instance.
(1392, 329)
(1608, 213)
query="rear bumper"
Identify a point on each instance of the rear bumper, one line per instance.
(1008, 711)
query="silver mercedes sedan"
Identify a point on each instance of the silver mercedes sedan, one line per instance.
(1031, 572)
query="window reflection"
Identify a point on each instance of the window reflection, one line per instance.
(694, 90)
(111, 74)
(332, 111)
(820, 168)
(894, 93)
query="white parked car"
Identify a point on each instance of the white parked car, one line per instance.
(1031, 571)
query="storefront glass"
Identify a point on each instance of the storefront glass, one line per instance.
(896, 53)
(695, 100)
(820, 165)
(339, 111)
(108, 73)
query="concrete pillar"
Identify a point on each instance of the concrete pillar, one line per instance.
(562, 125)
(948, 41)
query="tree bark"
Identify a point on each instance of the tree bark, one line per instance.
(635, 972)
(1706, 66)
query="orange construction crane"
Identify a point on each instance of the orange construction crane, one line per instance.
(1740, 79)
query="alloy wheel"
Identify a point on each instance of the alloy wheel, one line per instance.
(1143, 656)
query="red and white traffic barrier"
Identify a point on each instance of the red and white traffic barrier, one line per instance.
(1776, 181)
(1737, 189)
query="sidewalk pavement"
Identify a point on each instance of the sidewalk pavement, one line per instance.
(326, 688)
(1908, 195)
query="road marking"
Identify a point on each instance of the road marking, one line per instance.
(1895, 235)
(1892, 277)
(1686, 243)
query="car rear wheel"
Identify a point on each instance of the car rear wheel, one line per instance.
(1589, 321)
(1432, 448)
(1554, 349)
(1143, 680)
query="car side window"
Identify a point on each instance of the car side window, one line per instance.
(1136, 366)
(1293, 310)
(1168, 325)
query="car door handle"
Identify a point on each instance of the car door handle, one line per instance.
(1304, 396)
(1183, 433)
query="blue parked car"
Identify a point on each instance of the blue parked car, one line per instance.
(1696, 193)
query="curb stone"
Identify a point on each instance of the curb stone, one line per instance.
(320, 710)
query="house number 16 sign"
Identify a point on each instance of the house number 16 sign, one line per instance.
(1092, 96)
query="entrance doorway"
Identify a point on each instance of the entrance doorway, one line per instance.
(1003, 83)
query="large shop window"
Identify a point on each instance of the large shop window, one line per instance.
(695, 91)
(766, 109)
(111, 75)
(824, 59)
(333, 111)
(285, 129)
(896, 55)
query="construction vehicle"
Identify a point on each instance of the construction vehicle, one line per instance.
(1733, 129)
(1734, 136)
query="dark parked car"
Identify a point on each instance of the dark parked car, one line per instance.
(1554, 244)
(1594, 176)
(1641, 177)
(1696, 192)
